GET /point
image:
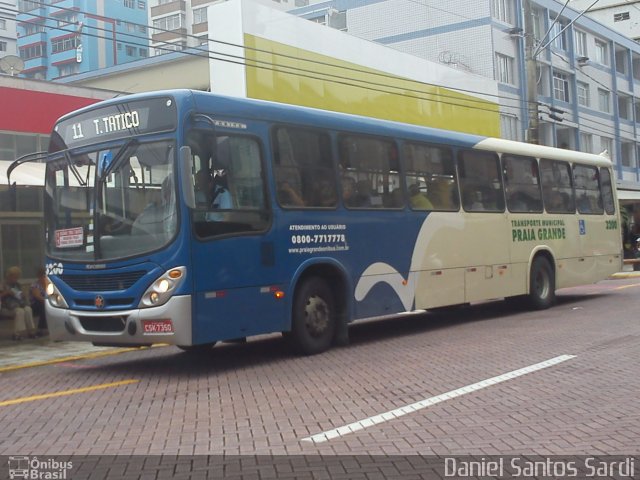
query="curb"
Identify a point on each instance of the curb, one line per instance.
(622, 275)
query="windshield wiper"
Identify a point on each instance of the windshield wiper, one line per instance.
(81, 181)
(132, 142)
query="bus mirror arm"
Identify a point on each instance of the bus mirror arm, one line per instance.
(188, 190)
(13, 187)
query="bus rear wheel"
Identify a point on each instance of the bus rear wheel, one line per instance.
(313, 321)
(542, 284)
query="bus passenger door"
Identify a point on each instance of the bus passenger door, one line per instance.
(233, 258)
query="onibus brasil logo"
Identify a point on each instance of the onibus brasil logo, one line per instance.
(33, 468)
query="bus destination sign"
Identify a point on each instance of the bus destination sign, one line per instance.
(116, 121)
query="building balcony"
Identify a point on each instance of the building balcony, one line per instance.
(38, 37)
(196, 3)
(180, 33)
(64, 4)
(171, 7)
(60, 58)
(35, 63)
(200, 28)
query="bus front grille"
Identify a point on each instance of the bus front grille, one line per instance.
(102, 283)
(103, 324)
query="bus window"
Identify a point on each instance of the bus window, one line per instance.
(587, 185)
(607, 191)
(480, 181)
(557, 189)
(522, 184)
(430, 176)
(369, 173)
(229, 184)
(303, 168)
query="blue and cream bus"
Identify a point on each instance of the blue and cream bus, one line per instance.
(188, 218)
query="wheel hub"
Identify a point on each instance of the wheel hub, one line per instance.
(316, 316)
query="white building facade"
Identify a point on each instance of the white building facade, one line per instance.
(588, 75)
(620, 15)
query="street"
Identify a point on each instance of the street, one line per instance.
(483, 380)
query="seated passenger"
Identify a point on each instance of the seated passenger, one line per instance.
(362, 197)
(417, 200)
(220, 197)
(289, 196)
(440, 195)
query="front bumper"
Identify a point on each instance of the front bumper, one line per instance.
(65, 324)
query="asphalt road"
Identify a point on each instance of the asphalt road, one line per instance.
(482, 380)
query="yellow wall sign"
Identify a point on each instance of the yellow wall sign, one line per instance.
(284, 73)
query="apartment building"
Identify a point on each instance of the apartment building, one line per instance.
(8, 35)
(65, 37)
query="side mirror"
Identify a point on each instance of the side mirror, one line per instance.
(188, 191)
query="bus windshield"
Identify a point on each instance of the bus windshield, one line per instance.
(111, 203)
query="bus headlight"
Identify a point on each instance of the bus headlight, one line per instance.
(55, 297)
(163, 288)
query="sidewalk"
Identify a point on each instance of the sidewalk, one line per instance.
(42, 350)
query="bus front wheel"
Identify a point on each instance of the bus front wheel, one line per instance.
(542, 284)
(313, 321)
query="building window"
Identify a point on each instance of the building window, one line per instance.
(321, 19)
(601, 52)
(583, 94)
(3, 24)
(622, 60)
(142, 5)
(67, 19)
(144, 52)
(68, 69)
(504, 69)
(130, 51)
(33, 28)
(538, 23)
(21, 243)
(586, 142)
(64, 44)
(3, 46)
(129, 3)
(624, 107)
(560, 86)
(627, 154)
(142, 28)
(172, 22)
(34, 51)
(559, 35)
(509, 127)
(581, 44)
(603, 101)
(503, 10)
(199, 15)
(26, 5)
(606, 145)
(620, 17)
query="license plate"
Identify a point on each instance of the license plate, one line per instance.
(157, 326)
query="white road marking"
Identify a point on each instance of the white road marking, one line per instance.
(414, 407)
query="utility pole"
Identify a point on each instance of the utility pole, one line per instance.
(533, 131)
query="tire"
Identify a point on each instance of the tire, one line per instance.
(542, 284)
(196, 349)
(313, 322)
